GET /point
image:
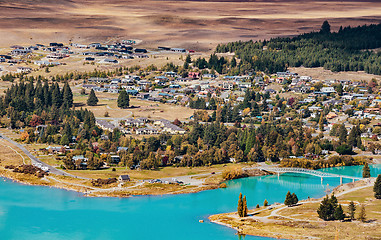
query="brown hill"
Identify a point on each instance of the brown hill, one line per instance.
(192, 24)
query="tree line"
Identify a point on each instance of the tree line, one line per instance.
(349, 49)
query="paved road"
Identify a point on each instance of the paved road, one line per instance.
(37, 161)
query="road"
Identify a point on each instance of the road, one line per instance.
(35, 160)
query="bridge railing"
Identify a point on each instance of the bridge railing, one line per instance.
(305, 171)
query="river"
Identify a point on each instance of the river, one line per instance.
(36, 212)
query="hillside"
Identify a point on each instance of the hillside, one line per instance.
(200, 25)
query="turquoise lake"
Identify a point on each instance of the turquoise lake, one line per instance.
(43, 213)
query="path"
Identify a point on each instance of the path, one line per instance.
(35, 160)
(115, 121)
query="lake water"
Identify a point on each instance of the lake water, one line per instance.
(35, 212)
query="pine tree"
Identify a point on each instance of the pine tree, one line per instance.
(244, 210)
(339, 213)
(362, 214)
(366, 171)
(240, 206)
(377, 187)
(67, 96)
(288, 200)
(326, 209)
(294, 199)
(123, 100)
(233, 62)
(342, 133)
(325, 27)
(265, 203)
(352, 210)
(56, 96)
(92, 100)
(188, 59)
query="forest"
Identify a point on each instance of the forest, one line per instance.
(349, 49)
(28, 105)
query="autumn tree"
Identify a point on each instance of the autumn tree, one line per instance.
(366, 171)
(362, 214)
(240, 206)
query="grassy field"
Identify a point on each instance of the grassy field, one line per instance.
(108, 103)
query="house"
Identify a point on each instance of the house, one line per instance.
(140, 50)
(194, 75)
(105, 125)
(327, 90)
(24, 70)
(95, 45)
(115, 159)
(80, 161)
(179, 50)
(98, 80)
(146, 130)
(143, 95)
(109, 60)
(46, 63)
(169, 127)
(18, 51)
(124, 178)
(331, 115)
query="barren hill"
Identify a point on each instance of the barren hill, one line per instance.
(192, 24)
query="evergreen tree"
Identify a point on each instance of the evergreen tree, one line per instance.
(362, 214)
(56, 96)
(352, 210)
(240, 206)
(123, 100)
(354, 136)
(342, 133)
(265, 203)
(366, 171)
(294, 199)
(233, 63)
(188, 59)
(288, 200)
(339, 213)
(377, 187)
(67, 96)
(327, 209)
(325, 27)
(92, 100)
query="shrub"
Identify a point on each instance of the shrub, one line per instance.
(232, 173)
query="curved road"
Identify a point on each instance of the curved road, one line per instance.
(36, 160)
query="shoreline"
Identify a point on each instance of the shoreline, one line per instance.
(137, 188)
(237, 223)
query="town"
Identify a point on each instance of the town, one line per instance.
(260, 116)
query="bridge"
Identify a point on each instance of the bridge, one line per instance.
(322, 175)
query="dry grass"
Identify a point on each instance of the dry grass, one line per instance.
(306, 224)
(322, 74)
(108, 103)
(165, 172)
(193, 24)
